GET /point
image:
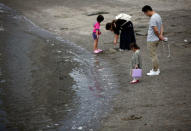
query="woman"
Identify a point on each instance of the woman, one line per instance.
(125, 30)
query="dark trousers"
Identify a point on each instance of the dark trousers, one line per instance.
(127, 37)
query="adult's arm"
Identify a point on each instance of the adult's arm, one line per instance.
(116, 31)
(155, 28)
(116, 37)
(159, 35)
(162, 30)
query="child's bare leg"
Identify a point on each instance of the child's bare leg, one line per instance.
(95, 44)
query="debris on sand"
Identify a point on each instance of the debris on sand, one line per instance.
(80, 128)
(141, 33)
(1, 28)
(2, 81)
(187, 45)
(60, 39)
(185, 41)
(56, 124)
(48, 126)
(2, 11)
(63, 28)
(132, 117)
(112, 50)
(97, 13)
(59, 51)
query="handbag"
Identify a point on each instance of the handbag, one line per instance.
(137, 73)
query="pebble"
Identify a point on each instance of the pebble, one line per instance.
(74, 127)
(47, 41)
(185, 40)
(60, 39)
(59, 51)
(1, 29)
(69, 110)
(56, 124)
(2, 11)
(80, 128)
(2, 81)
(48, 126)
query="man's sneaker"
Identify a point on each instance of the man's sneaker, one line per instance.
(153, 73)
(153, 70)
(158, 71)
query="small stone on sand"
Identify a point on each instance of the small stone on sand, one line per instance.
(111, 50)
(2, 81)
(80, 128)
(1, 29)
(59, 51)
(132, 117)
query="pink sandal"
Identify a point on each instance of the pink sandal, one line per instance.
(134, 82)
(96, 51)
(99, 50)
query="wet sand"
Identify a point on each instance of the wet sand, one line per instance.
(48, 83)
(159, 103)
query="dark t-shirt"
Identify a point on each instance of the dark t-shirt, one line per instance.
(118, 26)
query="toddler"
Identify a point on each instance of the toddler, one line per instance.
(136, 60)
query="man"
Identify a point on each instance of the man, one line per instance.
(155, 34)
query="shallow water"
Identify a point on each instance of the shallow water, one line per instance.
(50, 83)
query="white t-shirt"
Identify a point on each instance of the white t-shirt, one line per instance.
(154, 21)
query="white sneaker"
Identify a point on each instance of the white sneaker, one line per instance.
(153, 73)
(158, 70)
(153, 70)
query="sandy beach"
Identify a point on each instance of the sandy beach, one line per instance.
(161, 103)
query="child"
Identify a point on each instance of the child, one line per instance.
(136, 60)
(96, 33)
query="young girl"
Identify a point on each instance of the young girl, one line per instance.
(136, 60)
(96, 33)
